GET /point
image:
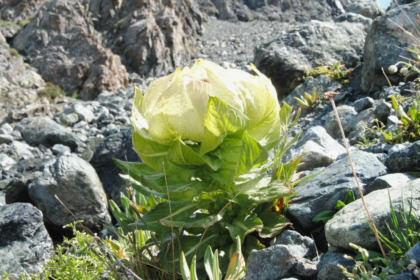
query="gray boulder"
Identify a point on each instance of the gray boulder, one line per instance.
(288, 255)
(317, 147)
(350, 224)
(24, 241)
(62, 44)
(306, 46)
(386, 44)
(324, 190)
(404, 157)
(73, 182)
(43, 130)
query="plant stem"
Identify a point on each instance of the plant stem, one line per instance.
(330, 96)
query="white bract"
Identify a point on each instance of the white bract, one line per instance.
(201, 106)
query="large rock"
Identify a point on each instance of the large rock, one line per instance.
(24, 241)
(288, 256)
(317, 147)
(70, 190)
(350, 224)
(62, 44)
(152, 37)
(324, 190)
(386, 44)
(306, 46)
(43, 130)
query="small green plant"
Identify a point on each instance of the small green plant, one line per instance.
(51, 91)
(404, 232)
(338, 72)
(5, 23)
(371, 133)
(308, 100)
(409, 129)
(326, 215)
(14, 52)
(73, 259)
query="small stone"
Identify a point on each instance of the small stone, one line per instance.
(69, 119)
(22, 150)
(5, 138)
(59, 149)
(363, 104)
(6, 129)
(6, 162)
(382, 110)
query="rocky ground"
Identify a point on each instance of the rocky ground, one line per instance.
(57, 146)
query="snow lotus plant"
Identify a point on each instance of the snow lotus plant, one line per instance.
(204, 134)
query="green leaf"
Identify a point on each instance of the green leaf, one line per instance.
(193, 270)
(263, 191)
(252, 154)
(243, 225)
(211, 264)
(190, 246)
(274, 224)
(165, 213)
(323, 216)
(185, 272)
(339, 205)
(119, 216)
(236, 268)
(221, 120)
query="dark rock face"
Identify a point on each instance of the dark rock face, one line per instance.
(62, 44)
(283, 10)
(19, 82)
(152, 37)
(306, 46)
(17, 14)
(386, 44)
(24, 241)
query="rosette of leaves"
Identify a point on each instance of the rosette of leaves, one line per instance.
(204, 135)
(307, 100)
